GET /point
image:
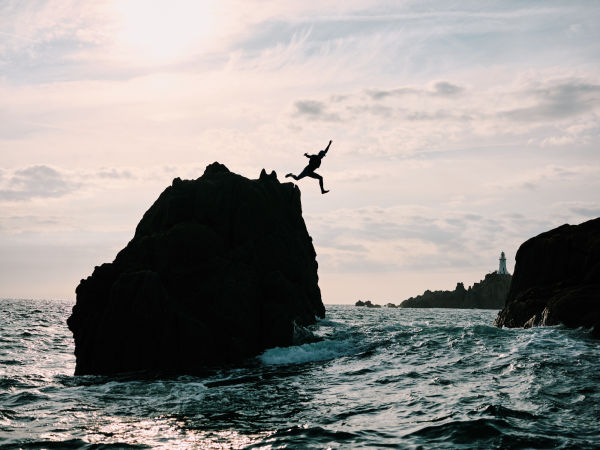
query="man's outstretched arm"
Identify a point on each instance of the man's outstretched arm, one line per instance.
(327, 148)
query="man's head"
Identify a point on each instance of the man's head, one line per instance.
(322, 153)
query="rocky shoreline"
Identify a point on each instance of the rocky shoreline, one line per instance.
(557, 280)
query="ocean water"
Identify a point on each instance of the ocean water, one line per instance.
(380, 378)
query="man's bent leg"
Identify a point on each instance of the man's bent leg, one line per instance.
(305, 173)
(320, 178)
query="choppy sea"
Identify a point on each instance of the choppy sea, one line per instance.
(400, 378)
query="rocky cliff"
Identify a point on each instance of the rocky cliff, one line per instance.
(219, 268)
(556, 280)
(489, 293)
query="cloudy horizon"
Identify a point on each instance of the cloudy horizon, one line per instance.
(459, 130)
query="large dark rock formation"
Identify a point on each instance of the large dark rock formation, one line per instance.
(556, 280)
(220, 268)
(489, 293)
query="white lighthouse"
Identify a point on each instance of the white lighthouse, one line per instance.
(502, 269)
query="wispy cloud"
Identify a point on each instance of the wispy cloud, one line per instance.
(314, 110)
(378, 94)
(418, 238)
(444, 88)
(440, 88)
(38, 181)
(558, 100)
(534, 179)
(115, 174)
(592, 212)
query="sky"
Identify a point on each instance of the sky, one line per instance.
(460, 129)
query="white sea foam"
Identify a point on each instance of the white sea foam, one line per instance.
(315, 351)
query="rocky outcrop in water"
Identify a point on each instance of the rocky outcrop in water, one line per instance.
(489, 293)
(556, 280)
(220, 268)
(367, 303)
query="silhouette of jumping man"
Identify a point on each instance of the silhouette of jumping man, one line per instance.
(314, 162)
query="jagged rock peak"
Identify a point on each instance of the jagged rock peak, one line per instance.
(272, 176)
(215, 168)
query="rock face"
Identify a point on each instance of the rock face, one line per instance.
(556, 280)
(220, 268)
(489, 293)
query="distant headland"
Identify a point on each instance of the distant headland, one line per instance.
(489, 293)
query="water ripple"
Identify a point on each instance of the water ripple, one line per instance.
(380, 378)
